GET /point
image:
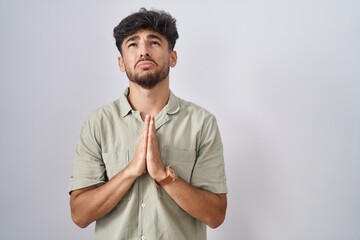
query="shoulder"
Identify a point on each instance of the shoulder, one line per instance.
(195, 110)
(107, 112)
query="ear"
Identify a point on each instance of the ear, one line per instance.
(173, 58)
(121, 64)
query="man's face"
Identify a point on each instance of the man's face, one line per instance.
(146, 58)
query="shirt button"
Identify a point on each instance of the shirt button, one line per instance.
(143, 205)
(143, 237)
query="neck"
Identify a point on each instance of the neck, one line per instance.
(149, 101)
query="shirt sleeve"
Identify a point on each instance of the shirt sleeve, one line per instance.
(209, 170)
(89, 168)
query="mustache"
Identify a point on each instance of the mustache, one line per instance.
(145, 59)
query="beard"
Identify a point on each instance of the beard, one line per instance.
(149, 80)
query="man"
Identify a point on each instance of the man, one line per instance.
(149, 165)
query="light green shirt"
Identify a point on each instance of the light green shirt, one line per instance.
(189, 140)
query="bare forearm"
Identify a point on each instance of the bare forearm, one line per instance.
(90, 204)
(205, 206)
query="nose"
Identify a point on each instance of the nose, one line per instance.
(144, 51)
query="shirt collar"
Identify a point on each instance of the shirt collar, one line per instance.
(172, 106)
(125, 107)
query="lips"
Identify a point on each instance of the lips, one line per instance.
(145, 64)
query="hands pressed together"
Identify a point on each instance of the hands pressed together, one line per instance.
(92, 203)
(147, 155)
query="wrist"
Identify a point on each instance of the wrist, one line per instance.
(161, 175)
(131, 173)
(169, 177)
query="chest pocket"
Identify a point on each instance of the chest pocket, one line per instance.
(114, 163)
(183, 161)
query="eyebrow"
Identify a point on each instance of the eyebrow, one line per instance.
(133, 38)
(150, 36)
(153, 36)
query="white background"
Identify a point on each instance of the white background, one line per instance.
(282, 77)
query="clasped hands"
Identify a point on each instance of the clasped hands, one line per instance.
(147, 155)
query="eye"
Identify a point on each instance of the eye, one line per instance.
(155, 43)
(132, 45)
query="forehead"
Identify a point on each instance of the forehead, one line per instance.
(144, 34)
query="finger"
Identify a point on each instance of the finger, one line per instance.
(144, 136)
(152, 140)
(147, 118)
(147, 121)
(145, 129)
(153, 158)
(152, 130)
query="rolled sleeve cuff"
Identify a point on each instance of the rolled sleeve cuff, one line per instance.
(79, 183)
(218, 188)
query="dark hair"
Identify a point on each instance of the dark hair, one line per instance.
(155, 20)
